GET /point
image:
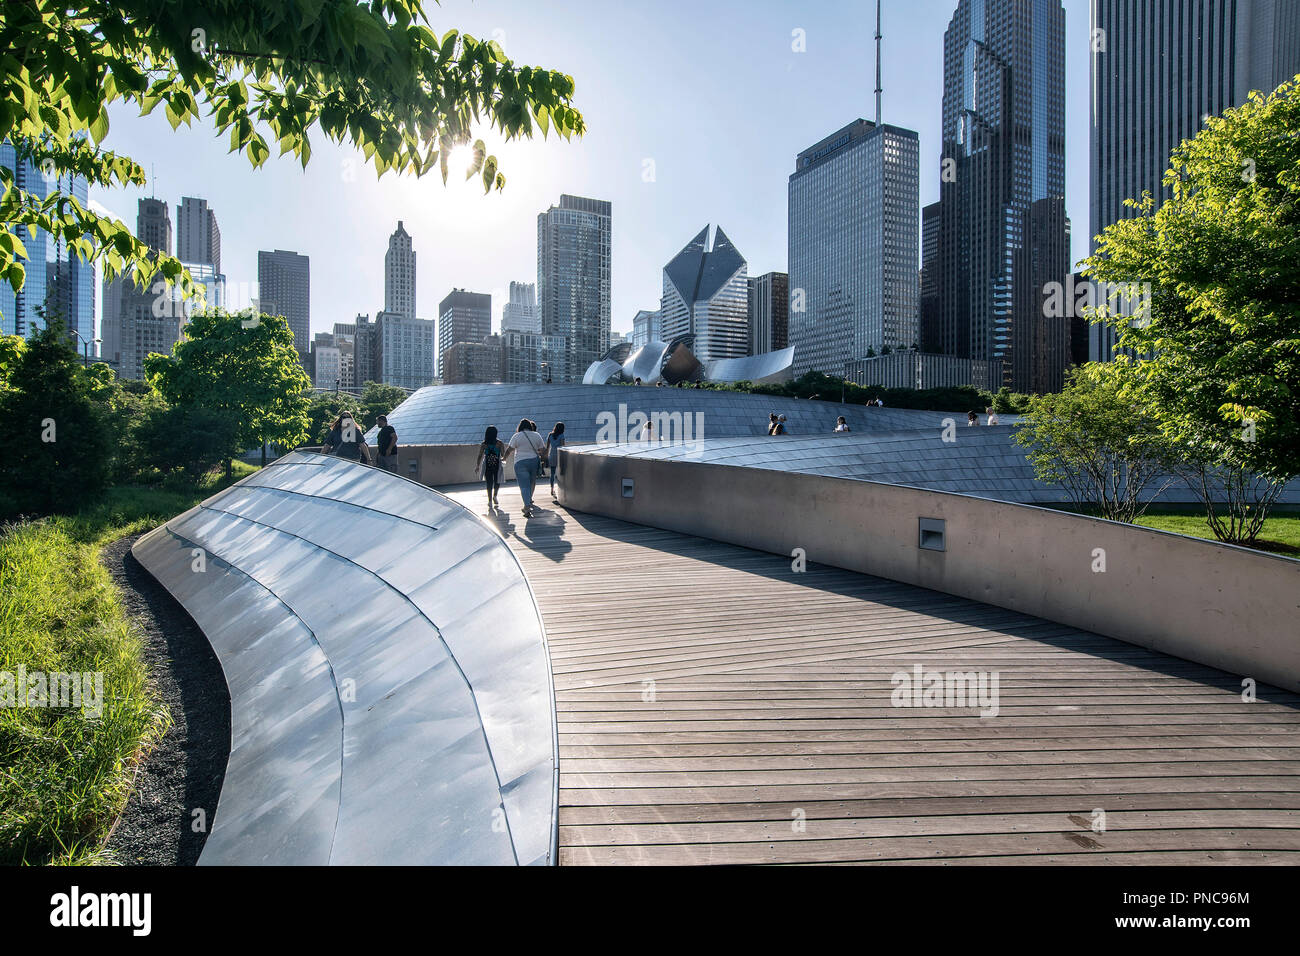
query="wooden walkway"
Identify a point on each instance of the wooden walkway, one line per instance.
(717, 707)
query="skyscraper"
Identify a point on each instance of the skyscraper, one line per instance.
(467, 363)
(153, 225)
(706, 294)
(769, 312)
(403, 350)
(284, 288)
(647, 326)
(198, 238)
(520, 314)
(573, 278)
(931, 218)
(365, 352)
(853, 204)
(1160, 67)
(1002, 231)
(533, 357)
(399, 274)
(139, 321)
(55, 279)
(462, 317)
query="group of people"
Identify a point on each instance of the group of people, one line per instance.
(347, 439)
(973, 417)
(532, 454)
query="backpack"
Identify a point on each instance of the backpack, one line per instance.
(490, 456)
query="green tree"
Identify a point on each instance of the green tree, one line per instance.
(1218, 266)
(267, 72)
(379, 399)
(11, 347)
(126, 405)
(323, 408)
(191, 440)
(242, 364)
(1097, 441)
(57, 449)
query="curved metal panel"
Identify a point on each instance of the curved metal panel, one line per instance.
(602, 372)
(391, 692)
(618, 353)
(679, 362)
(645, 362)
(775, 366)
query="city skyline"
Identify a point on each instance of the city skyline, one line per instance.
(811, 73)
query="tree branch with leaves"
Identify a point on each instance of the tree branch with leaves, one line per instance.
(264, 72)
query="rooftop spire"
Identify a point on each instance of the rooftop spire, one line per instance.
(878, 87)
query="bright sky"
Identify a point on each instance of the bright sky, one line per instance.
(711, 91)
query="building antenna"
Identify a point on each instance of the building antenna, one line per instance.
(878, 88)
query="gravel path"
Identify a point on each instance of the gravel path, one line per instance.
(185, 769)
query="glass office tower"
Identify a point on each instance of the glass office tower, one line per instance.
(573, 278)
(56, 280)
(284, 284)
(1003, 227)
(1160, 67)
(854, 200)
(706, 294)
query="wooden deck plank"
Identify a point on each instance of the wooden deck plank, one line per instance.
(706, 692)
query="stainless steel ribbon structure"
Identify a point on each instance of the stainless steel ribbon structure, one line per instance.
(390, 686)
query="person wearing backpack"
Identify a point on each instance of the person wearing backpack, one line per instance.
(347, 440)
(526, 445)
(490, 453)
(554, 442)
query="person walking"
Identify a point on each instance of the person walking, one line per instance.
(525, 444)
(771, 424)
(992, 416)
(554, 442)
(780, 425)
(648, 431)
(346, 439)
(490, 454)
(386, 444)
(841, 424)
(972, 418)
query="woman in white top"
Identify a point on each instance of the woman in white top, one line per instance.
(525, 444)
(841, 425)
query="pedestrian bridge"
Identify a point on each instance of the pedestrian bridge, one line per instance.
(715, 705)
(688, 662)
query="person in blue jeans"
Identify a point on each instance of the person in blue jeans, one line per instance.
(554, 442)
(526, 445)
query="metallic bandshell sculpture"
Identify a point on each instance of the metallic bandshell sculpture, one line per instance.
(673, 362)
(775, 366)
(390, 687)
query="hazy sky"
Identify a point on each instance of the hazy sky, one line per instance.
(712, 92)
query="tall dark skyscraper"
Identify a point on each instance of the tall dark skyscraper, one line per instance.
(931, 298)
(769, 312)
(1158, 68)
(284, 288)
(1003, 230)
(573, 277)
(462, 317)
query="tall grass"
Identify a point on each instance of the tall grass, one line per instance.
(64, 773)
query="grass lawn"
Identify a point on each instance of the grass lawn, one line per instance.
(1280, 533)
(65, 773)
